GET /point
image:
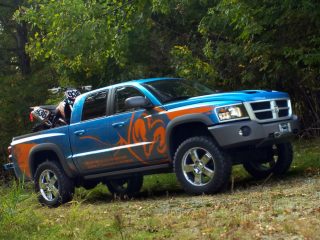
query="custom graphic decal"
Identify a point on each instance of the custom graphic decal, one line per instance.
(144, 138)
(177, 113)
(145, 129)
(107, 162)
(21, 154)
(96, 140)
(152, 128)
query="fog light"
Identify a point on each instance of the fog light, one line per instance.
(244, 131)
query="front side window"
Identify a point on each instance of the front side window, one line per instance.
(95, 105)
(122, 94)
(176, 89)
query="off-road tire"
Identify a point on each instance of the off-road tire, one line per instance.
(285, 157)
(126, 187)
(220, 163)
(64, 184)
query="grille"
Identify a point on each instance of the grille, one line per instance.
(273, 110)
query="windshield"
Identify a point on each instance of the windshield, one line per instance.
(177, 89)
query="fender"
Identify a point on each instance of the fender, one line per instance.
(188, 118)
(69, 168)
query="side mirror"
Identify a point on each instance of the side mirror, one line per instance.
(137, 102)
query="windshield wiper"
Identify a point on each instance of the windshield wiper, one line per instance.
(177, 98)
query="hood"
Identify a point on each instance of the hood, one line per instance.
(226, 98)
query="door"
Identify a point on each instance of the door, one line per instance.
(138, 139)
(89, 137)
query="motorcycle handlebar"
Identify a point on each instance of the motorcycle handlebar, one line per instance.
(86, 88)
(56, 90)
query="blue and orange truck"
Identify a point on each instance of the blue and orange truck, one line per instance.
(118, 134)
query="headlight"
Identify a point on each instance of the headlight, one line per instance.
(232, 112)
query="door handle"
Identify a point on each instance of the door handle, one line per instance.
(118, 124)
(79, 132)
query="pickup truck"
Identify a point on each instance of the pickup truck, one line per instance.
(118, 134)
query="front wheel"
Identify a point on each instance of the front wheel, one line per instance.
(125, 187)
(277, 161)
(200, 166)
(52, 184)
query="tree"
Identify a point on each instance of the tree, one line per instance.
(265, 44)
(79, 38)
(105, 41)
(13, 39)
(21, 86)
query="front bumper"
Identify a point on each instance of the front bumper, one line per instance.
(227, 135)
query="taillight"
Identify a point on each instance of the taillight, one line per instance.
(9, 150)
(31, 117)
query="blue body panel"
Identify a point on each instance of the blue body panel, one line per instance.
(24, 145)
(124, 140)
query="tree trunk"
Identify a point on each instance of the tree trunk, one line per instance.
(22, 39)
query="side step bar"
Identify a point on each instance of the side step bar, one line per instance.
(145, 170)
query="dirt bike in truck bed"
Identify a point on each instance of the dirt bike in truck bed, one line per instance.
(120, 133)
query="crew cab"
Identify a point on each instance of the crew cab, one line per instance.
(118, 134)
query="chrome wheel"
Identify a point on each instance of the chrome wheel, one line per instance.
(49, 186)
(198, 166)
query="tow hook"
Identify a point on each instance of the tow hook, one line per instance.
(277, 134)
(8, 166)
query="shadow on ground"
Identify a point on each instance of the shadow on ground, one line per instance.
(100, 194)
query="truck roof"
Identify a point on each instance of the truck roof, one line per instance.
(152, 79)
(140, 81)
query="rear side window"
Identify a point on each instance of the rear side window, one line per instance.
(95, 105)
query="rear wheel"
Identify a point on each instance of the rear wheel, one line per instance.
(277, 161)
(200, 166)
(52, 184)
(125, 187)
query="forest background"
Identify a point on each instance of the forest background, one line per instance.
(226, 44)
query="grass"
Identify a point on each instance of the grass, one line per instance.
(285, 208)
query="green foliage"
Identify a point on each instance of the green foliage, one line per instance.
(190, 67)
(78, 35)
(10, 43)
(267, 44)
(17, 94)
(16, 215)
(266, 40)
(101, 42)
